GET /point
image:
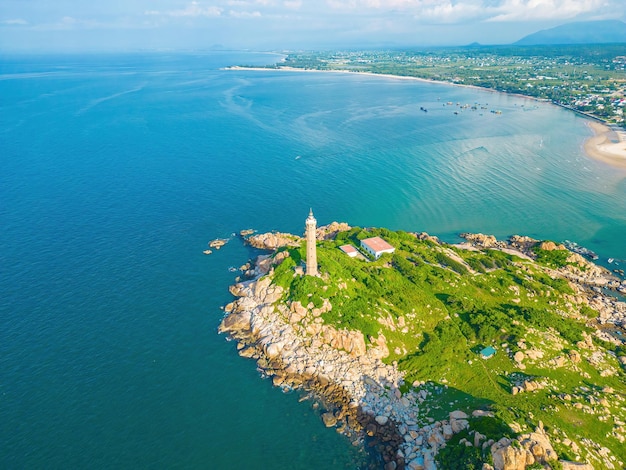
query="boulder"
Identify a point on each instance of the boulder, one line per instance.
(330, 231)
(273, 240)
(507, 457)
(522, 243)
(538, 444)
(371, 429)
(273, 350)
(280, 257)
(481, 240)
(382, 419)
(240, 289)
(298, 312)
(329, 419)
(458, 425)
(236, 322)
(416, 464)
(458, 414)
(574, 356)
(380, 349)
(262, 265)
(551, 246)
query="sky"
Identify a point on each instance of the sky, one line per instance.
(130, 25)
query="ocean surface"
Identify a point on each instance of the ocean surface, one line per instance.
(115, 172)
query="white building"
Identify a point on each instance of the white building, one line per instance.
(349, 250)
(376, 246)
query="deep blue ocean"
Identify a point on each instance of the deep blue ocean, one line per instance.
(115, 172)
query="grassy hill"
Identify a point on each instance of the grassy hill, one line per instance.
(438, 306)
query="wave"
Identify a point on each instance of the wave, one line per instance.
(98, 101)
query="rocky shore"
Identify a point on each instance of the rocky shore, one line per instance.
(588, 283)
(361, 395)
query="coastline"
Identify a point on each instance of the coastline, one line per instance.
(598, 147)
(373, 74)
(361, 396)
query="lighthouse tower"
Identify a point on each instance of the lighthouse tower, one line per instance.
(311, 249)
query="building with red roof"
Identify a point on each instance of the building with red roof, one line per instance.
(376, 246)
(349, 250)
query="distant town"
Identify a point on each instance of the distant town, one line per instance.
(590, 79)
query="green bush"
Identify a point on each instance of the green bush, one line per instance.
(554, 258)
(445, 260)
(494, 428)
(460, 457)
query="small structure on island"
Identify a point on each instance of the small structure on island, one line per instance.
(487, 352)
(311, 247)
(349, 250)
(376, 246)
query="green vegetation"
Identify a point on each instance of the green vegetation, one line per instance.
(586, 78)
(438, 306)
(461, 457)
(553, 258)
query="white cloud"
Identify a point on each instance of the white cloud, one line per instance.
(15, 21)
(448, 12)
(247, 3)
(245, 14)
(193, 10)
(293, 4)
(527, 10)
(458, 11)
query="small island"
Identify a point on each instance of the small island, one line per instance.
(482, 355)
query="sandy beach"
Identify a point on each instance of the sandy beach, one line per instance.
(606, 145)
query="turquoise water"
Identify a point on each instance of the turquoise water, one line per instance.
(117, 170)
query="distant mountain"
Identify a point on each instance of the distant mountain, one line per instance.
(584, 32)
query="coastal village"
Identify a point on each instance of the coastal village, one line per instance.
(288, 316)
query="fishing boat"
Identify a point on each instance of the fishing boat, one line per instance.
(581, 250)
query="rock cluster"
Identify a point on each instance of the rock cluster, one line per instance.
(480, 240)
(522, 243)
(218, 243)
(361, 393)
(330, 231)
(584, 276)
(272, 240)
(528, 449)
(527, 385)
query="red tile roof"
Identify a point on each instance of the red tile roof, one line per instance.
(377, 244)
(348, 249)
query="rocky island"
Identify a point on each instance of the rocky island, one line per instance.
(483, 355)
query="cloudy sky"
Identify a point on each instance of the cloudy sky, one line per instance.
(66, 25)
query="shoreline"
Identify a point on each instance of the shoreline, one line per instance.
(598, 147)
(362, 397)
(383, 75)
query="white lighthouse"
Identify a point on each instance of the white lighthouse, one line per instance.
(311, 248)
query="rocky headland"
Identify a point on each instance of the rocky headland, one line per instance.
(365, 394)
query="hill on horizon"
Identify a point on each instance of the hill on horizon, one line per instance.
(582, 32)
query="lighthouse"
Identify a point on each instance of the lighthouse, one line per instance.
(311, 248)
